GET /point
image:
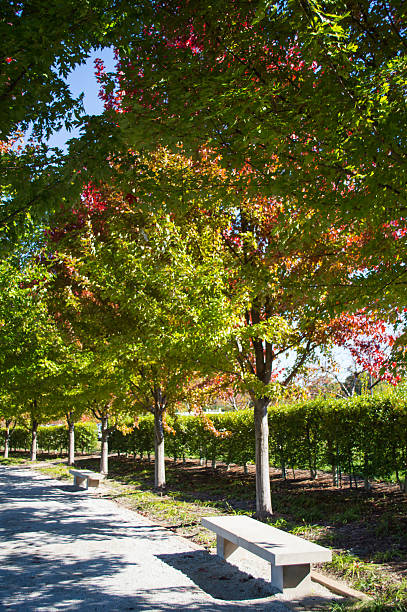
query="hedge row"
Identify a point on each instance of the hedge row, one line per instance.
(362, 437)
(365, 436)
(54, 438)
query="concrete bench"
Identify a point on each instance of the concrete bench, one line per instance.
(289, 555)
(87, 478)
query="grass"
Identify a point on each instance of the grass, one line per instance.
(367, 531)
(56, 470)
(369, 577)
(376, 606)
(11, 461)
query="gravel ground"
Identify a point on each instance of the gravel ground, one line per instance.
(69, 549)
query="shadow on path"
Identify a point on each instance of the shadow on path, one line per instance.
(211, 575)
(63, 549)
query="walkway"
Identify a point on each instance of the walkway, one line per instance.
(63, 549)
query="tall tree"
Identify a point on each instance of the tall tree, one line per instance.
(161, 324)
(9, 416)
(34, 357)
(165, 259)
(310, 95)
(279, 322)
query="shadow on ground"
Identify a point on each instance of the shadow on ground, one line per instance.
(212, 576)
(51, 557)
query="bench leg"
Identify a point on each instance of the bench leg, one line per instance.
(224, 548)
(93, 482)
(79, 480)
(291, 579)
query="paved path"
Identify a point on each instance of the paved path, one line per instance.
(64, 549)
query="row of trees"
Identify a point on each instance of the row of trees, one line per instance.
(364, 437)
(51, 438)
(215, 227)
(164, 294)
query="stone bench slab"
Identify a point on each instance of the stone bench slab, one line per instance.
(271, 544)
(290, 556)
(86, 477)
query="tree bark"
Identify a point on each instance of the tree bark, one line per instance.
(6, 443)
(263, 493)
(159, 460)
(7, 434)
(104, 451)
(34, 431)
(71, 443)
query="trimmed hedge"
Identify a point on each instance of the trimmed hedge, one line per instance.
(363, 436)
(54, 438)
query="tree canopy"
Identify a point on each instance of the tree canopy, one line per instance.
(242, 197)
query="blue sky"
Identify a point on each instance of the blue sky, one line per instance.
(83, 79)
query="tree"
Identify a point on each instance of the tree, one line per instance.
(278, 320)
(160, 326)
(260, 277)
(8, 414)
(67, 391)
(34, 358)
(310, 95)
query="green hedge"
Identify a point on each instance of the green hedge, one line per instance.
(364, 436)
(54, 438)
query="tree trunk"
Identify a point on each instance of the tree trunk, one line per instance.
(104, 451)
(6, 444)
(333, 459)
(71, 443)
(312, 471)
(34, 431)
(159, 462)
(263, 494)
(366, 484)
(6, 441)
